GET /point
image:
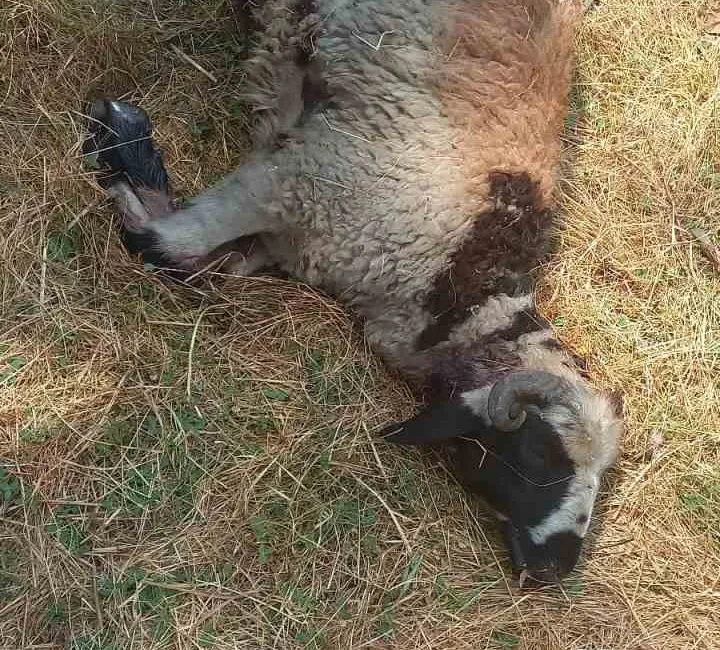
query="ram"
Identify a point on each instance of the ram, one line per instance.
(405, 162)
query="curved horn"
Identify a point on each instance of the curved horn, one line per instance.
(510, 396)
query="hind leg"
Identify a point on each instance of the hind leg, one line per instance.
(187, 239)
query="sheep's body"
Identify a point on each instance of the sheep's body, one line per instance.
(406, 160)
(378, 196)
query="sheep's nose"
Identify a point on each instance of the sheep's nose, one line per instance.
(546, 575)
(539, 577)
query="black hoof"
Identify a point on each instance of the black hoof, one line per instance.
(122, 147)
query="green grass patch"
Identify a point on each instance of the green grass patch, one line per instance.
(10, 489)
(505, 640)
(66, 527)
(699, 499)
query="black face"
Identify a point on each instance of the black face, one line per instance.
(523, 475)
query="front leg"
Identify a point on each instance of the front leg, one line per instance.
(240, 206)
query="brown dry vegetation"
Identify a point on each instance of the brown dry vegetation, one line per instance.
(196, 470)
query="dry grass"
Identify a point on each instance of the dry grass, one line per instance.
(253, 510)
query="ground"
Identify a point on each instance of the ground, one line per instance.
(197, 469)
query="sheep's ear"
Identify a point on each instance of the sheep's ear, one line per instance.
(436, 423)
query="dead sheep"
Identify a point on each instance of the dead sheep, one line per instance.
(405, 162)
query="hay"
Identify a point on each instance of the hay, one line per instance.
(256, 512)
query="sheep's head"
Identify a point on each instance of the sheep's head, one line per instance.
(534, 446)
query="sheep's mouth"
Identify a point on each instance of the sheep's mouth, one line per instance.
(517, 557)
(528, 577)
(516, 552)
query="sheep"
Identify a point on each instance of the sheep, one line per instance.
(406, 157)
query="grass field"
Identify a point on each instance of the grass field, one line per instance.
(187, 469)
